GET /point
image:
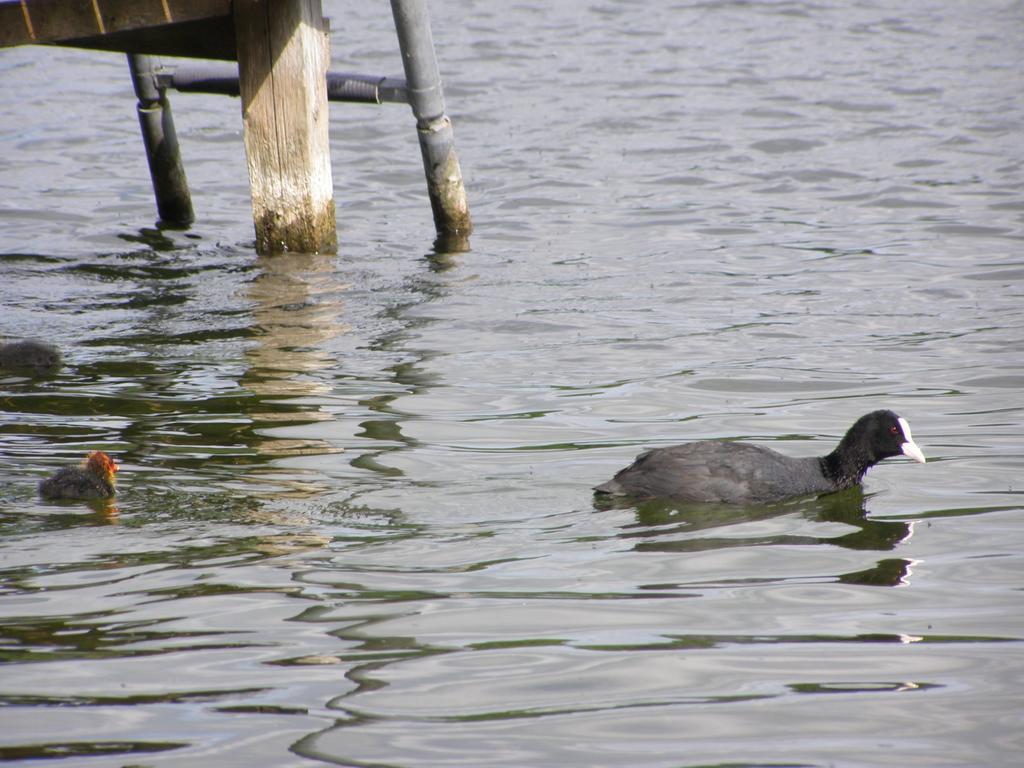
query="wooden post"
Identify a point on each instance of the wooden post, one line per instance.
(283, 56)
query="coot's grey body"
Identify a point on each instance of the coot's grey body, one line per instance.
(720, 471)
(739, 473)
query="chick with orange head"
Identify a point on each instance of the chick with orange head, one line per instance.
(92, 479)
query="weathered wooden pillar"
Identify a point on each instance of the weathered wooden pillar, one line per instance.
(283, 55)
(170, 186)
(437, 143)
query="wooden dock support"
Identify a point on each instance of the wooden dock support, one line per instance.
(173, 201)
(437, 143)
(283, 54)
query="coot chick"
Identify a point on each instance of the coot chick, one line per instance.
(738, 473)
(28, 354)
(92, 479)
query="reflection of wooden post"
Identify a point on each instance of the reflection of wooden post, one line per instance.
(282, 64)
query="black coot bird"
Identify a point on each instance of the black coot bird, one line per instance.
(738, 473)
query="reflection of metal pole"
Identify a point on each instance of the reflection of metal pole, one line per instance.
(437, 143)
(170, 186)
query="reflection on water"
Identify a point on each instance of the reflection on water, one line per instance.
(679, 527)
(297, 306)
(447, 247)
(195, 407)
(11, 518)
(64, 750)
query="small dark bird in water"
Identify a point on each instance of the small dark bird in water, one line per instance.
(29, 355)
(92, 479)
(739, 473)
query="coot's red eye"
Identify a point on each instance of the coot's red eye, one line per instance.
(894, 429)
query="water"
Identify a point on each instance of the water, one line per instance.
(354, 523)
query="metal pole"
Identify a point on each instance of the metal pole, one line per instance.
(173, 201)
(222, 77)
(437, 143)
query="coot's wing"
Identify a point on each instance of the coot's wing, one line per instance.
(700, 471)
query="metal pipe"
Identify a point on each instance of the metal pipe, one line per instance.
(437, 143)
(170, 186)
(341, 86)
(412, 23)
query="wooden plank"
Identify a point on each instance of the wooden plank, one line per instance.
(282, 64)
(209, 38)
(42, 21)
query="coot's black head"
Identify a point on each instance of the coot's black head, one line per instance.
(879, 435)
(876, 436)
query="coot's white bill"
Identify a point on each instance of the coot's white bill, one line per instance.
(910, 448)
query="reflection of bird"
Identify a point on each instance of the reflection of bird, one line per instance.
(29, 354)
(738, 473)
(92, 479)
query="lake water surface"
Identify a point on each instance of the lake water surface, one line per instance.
(354, 523)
